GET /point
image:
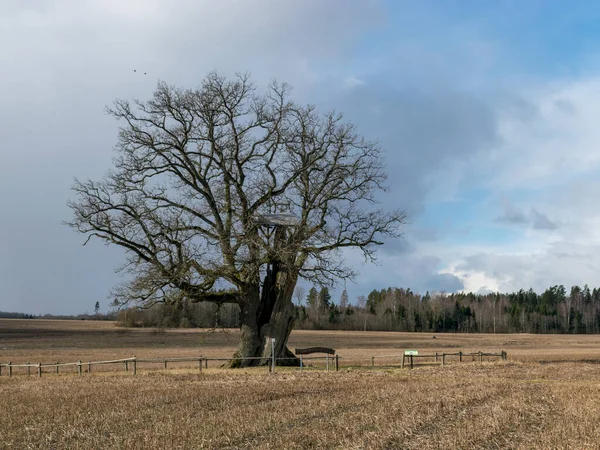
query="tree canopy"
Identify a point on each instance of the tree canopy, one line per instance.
(195, 171)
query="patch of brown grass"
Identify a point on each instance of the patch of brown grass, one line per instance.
(462, 406)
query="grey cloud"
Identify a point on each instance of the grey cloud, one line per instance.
(422, 129)
(443, 282)
(412, 270)
(541, 222)
(425, 234)
(517, 107)
(565, 106)
(513, 215)
(535, 219)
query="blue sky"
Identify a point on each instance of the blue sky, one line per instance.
(487, 111)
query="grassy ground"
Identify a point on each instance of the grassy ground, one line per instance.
(512, 405)
(547, 395)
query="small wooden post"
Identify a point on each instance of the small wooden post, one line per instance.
(372, 362)
(79, 367)
(199, 364)
(39, 369)
(165, 364)
(503, 355)
(301, 363)
(134, 365)
(459, 356)
(126, 366)
(337, 363)
(206, 363)
(411, 361)
(327, 362)
(443, 359)
(89, 367)
(480, 357)
(403, 357)
(272, 355)
(0, 370)
(28, 368)
(57, 363)
(436, 356)
(9, 369)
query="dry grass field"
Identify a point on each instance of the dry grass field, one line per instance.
(547, 395)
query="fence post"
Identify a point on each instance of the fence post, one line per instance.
(327, 362)
(272, 355)
(199, 364)
(503, 355)
(28, 368)
(436, 356)
(57, 363)
(459, 356)
(39, 369)
(126, 367)
(165, 364)
(443, 359)
(402, 366)
(134, 365)
(337, 362)
(301, 363)
(89, 367)
(372, 362)
(9, 369)
(79, 367)
(0, 370)
(206, 363)
(480, 356)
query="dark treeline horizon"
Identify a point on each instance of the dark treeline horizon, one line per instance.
(555, 310)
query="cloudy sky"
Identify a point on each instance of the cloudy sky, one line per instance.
(489, 113)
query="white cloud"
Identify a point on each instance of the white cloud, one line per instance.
(557, 139)
(551, 158)
(352, 82)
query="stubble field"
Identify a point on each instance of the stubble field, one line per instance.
(547, 395)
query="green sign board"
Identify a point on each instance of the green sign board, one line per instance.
(411, 352)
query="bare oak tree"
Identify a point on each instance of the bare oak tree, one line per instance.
(196, 169)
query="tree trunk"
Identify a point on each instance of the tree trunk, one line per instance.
(281, 322)
(263, 317)
(251, 344)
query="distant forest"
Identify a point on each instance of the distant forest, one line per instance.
(18, 315)
(396, 309)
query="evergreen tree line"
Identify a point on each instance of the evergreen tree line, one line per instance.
(397, 309)
(96, 316)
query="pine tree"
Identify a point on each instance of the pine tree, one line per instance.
(324, 298)
(312, 297)
(344, 300)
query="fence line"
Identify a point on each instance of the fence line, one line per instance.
(133, 361)
(440, 357)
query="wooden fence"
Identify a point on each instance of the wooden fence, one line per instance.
(441, 357)
(131, 364)
(333, 362)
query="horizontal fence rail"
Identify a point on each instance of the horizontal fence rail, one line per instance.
(440, 357)
(131, 364)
